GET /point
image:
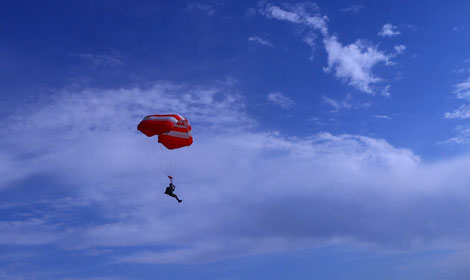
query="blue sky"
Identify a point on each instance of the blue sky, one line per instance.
(331, 140)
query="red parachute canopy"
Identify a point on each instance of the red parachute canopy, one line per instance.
(173, 130)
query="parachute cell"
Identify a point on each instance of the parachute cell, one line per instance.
(173, 130)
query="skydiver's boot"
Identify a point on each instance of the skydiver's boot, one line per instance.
(177, 198)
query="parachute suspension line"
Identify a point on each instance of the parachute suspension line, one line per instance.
(166, 161)
(154, 152)
(160, 157)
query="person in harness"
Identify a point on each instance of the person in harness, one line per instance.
(170, 189)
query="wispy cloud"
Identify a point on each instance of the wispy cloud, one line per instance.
(462, 90)
(389, 30)
(310, 40)
(306, 14)
(260, 41)
(462, 137)
(280, 14)
(355, 9)
(344, 104)
(463, 112)
(208, 9)
(101, 59)
(412, 27)
(281, 100)
(29, 231)
(333, 103)
(351, 63)
(399, 49)
(385, 91)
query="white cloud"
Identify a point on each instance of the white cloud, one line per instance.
(461, 71)
(281, 100)
(260, 41)
(463, 112)
(309, 39)
(383, 117)
(462, 90)
(354, 63)
(278, 13)
(399, 49)
(389, 30)
(462, 137)
(67, 116)
(385, 91)
(270, 199)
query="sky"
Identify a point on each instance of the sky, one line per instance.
(331, 140)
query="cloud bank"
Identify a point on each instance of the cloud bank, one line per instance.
(245, 191)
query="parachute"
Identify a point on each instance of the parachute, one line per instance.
(174, 131)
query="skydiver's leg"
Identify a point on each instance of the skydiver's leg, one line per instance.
(179, 200)
(175, 196)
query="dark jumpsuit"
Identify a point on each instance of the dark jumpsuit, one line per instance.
(169, 191)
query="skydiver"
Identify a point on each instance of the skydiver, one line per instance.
(170, 189)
